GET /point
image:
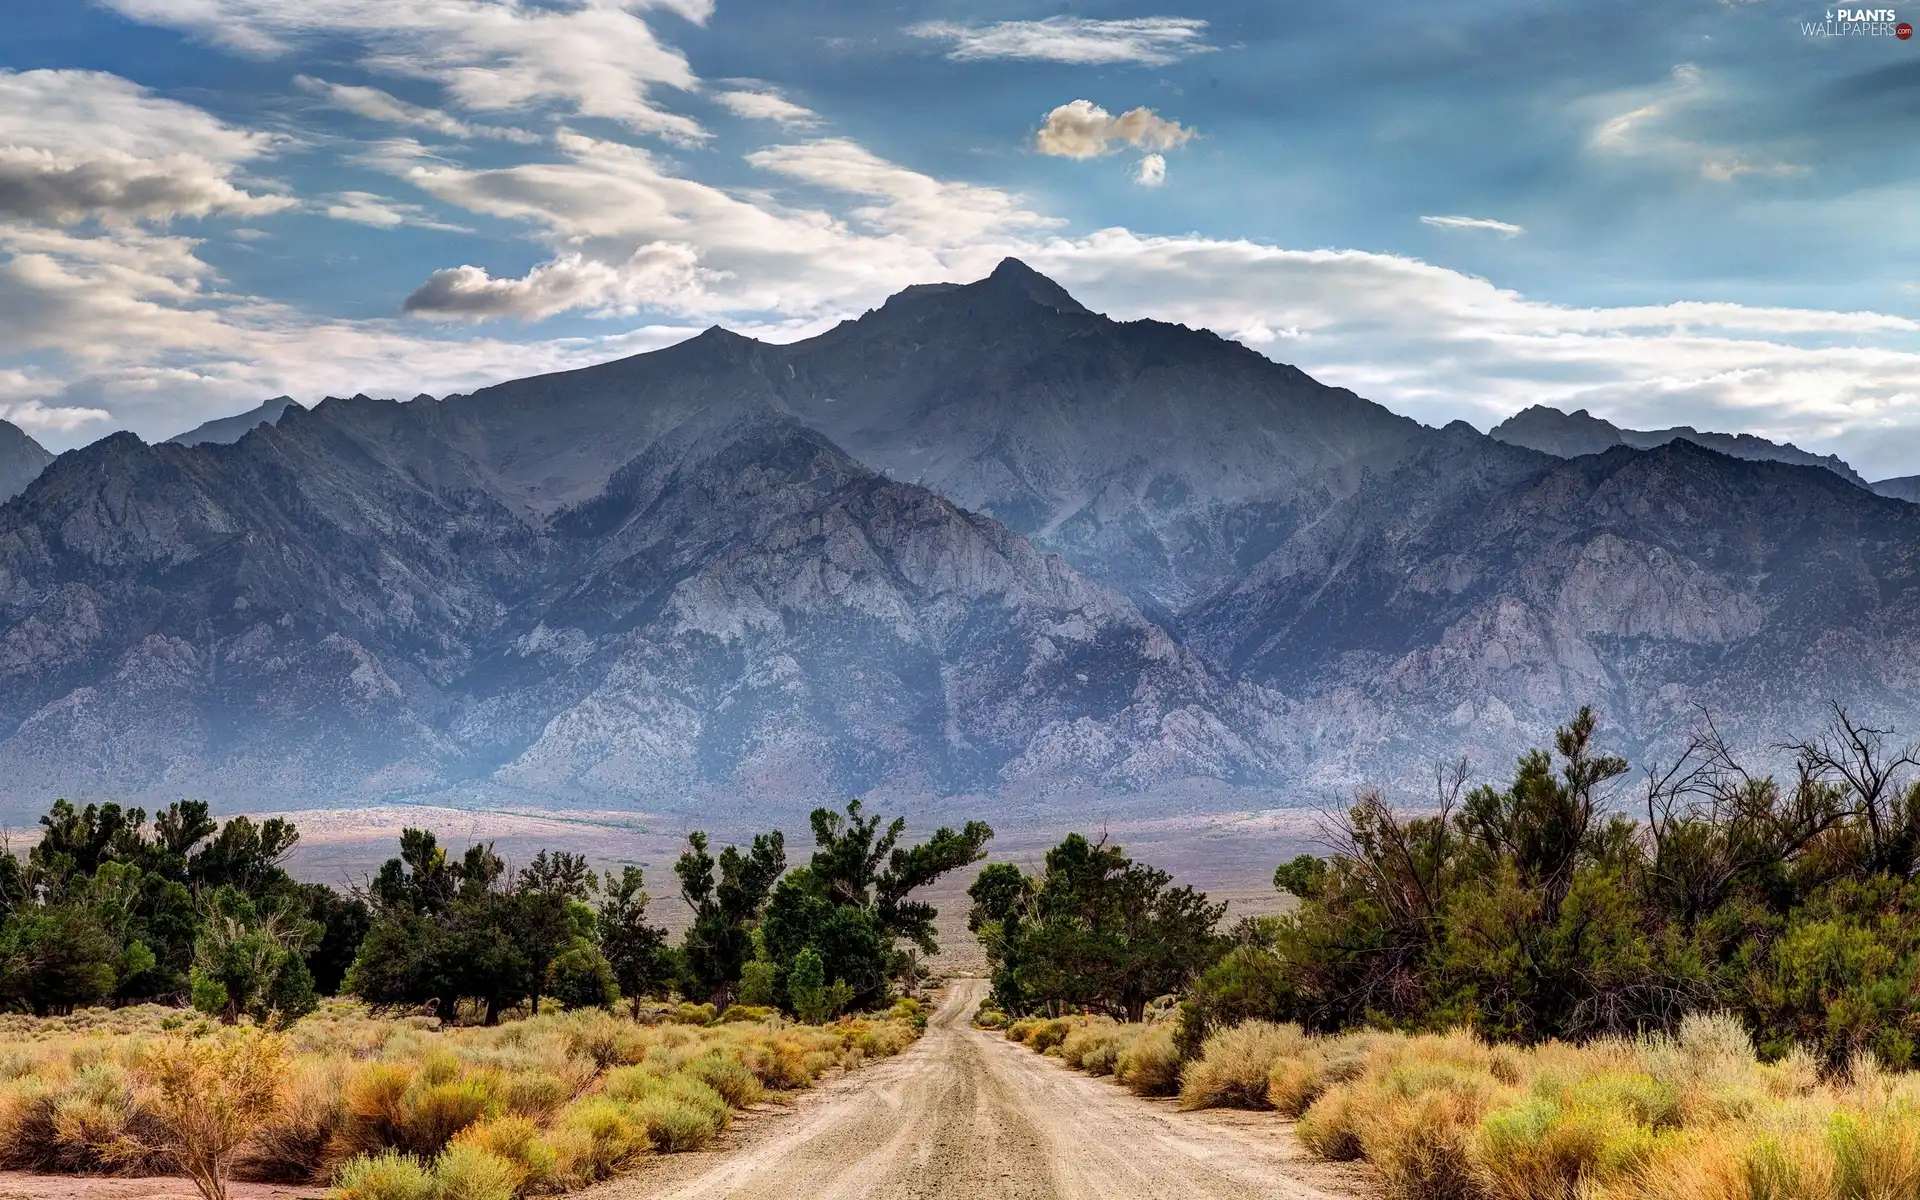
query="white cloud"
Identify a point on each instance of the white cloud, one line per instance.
(1439, 344)
(1082, 129)
(34, 416)
(81, 145)
(376, 105)
(1151, 170)
(597, 56)
(931, 211)
(1150, 41)
(132, 321)
(605, 202)
(1503, 228)
(659, 276)
(764, 104)
(369, 208)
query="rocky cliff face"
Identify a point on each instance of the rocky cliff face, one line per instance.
(1570, 435)
(1466, 604)
(367, 600)
(21, 460)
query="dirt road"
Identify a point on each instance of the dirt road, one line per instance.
(966, 1115)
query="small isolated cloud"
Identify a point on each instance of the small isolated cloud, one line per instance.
(369, 208)
(376, 105)
(1503, 228)
(1149, 41)
(1082, 129)
(765, 104)
(1151, 171)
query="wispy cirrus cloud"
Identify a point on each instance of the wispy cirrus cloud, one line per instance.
(377, 105)
(766, 104)
(1488, 224)
(371, 208)
(1147, 41)
(1660, 123)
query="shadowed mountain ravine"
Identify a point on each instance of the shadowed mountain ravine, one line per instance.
(979, 541)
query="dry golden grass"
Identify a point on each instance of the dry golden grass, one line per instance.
(1694, 1116)
(403, 1109)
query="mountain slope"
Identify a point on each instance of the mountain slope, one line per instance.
(1426, 619)
(1570, 435)
(21, 461)
(1906, 487)
(227, 430)
(1158, 458)
(363, 601)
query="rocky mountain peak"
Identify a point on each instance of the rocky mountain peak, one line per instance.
(1016, 279)
(21, 460)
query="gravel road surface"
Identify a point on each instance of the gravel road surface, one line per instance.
(967, 1115)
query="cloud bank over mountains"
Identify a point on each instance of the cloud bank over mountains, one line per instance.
(573, 159)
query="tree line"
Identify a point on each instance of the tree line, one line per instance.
(107, 908)
(1572, 902)
(1569, 902)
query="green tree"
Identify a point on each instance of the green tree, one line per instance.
(443, 931)
(725, 908)
(1096, 930)
(635, 950)
(851, 904)
(249, 961)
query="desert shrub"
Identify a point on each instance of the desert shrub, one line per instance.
(1235, 1066)
(466, 1171)
(748, 1012)
(388, 1175)
(1047, 1034)
(534, 1093)
(434, 1113)
(729, 1077)
(594, 1138)
(1019, 1029)
(989, 1017)
(1086, 1035)
(375, 1100)
(605, 1039)
(207, 1096)
(1149, 1064)
(518, 1141)
(694, 1014)
(294, 1145)
(1330, 1127)
(679, 1112)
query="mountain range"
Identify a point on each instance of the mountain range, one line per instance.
(980, 541)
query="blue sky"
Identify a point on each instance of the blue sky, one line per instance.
(1678, 213)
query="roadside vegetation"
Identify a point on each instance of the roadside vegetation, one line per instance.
(1527, 993)
(164, 1001)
